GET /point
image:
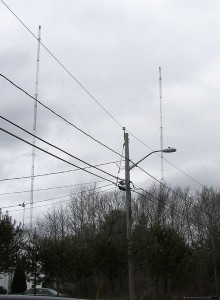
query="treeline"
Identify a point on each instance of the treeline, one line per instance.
(81, 247)
(175, 241)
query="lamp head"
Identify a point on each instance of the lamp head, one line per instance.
(168, 150)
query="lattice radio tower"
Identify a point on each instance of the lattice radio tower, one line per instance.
(34, 130)
(161, 123)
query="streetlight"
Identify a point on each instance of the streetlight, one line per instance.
(128, 211)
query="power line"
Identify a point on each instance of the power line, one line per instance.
(166, 204)
(70, 199)
(42, 140)
(50, 188)
(99, 141)
(51, 154)
(62, 65)
(190, 177)
(170, 189)
(72, 77)
(58, 115)
(59, 197)
(164, 185)
(89, 93)
(55, 173)
(49, 199)
(55, 199)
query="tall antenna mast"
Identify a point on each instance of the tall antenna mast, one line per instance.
(161, 123)
(34, 130)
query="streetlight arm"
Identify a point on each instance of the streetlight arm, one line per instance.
(167, 150)
(135, 165)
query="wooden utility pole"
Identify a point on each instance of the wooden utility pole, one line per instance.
(128, 221)
(128, 210)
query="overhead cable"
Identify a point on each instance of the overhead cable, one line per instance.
(190, 177)
(59, 201)
(50, 188)
(92, 137)
(167, 204)
(42, 140)
(58, 115)
(164, 185)
(55, 173)
(59, 197)
(89, 93)
(51, 154)
(62, 65)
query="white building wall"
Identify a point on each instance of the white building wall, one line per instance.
(5, 281)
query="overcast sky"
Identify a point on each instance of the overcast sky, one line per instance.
(114, 50)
